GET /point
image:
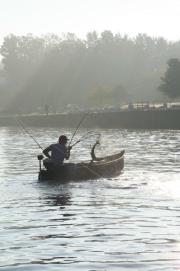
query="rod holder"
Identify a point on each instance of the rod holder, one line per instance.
(40, 158)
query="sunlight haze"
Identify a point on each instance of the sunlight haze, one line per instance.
(155, 18)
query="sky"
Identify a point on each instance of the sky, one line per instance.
(153, 17)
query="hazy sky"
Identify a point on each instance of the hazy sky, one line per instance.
(154, 17)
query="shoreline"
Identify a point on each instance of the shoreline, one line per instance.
(126, 119)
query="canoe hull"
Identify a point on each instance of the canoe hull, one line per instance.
(110, 166)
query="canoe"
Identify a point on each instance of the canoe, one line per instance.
(105, 167)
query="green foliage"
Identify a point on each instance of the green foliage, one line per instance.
(170, 85)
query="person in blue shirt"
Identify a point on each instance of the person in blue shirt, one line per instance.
(56, 153)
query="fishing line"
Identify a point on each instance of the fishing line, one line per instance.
(27, 132)
(81, 121)
(92, 171)
(86, 136)
(37, 143)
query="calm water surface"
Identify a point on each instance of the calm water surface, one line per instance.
(128, 223)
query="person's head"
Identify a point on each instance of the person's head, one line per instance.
(63, 139)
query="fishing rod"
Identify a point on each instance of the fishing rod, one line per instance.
(86, 136)
(79, 124)
(82, 164)
(37, 143)
(27, 132)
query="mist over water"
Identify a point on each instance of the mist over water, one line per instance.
(130, 222)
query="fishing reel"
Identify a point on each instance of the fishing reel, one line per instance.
(40, 157)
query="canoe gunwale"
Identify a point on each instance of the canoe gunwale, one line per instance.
(105, 160)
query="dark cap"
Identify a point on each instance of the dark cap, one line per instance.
(63, 138)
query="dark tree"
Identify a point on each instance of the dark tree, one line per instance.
(170, 85)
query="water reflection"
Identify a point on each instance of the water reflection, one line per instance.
(131, 222)
(58, 200)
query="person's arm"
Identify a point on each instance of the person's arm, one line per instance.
(68, 152)
(46, 152)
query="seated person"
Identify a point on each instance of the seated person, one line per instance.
(56, 153)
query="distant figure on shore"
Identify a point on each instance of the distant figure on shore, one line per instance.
(46, 108)
(130, 106)
(56, 153)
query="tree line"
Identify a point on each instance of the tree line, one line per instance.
(101, 70)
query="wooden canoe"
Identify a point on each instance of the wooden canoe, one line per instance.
(105, 167)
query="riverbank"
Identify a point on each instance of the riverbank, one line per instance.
(128, 119)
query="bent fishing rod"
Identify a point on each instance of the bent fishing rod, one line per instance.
(27, 132)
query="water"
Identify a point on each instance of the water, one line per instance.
(127, 223)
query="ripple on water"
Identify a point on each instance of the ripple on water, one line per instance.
(130, 222)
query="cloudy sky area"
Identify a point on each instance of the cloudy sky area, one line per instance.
(155, 17)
